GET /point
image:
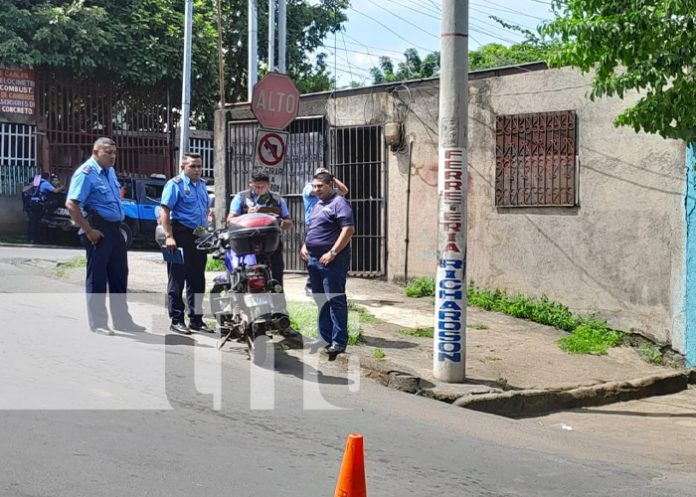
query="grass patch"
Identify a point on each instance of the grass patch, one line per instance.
(421, 287)
(651, 352)
(214, 264)
(379, 354)
(502, 383)
(591, 337)
(75, 262)
(303, 318)
(588, 335)
(477, 326)
(418, 332)
(540, 310)
(362, 313)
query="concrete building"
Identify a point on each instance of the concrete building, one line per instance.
(560, 202)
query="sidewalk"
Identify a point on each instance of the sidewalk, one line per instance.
(513, 367)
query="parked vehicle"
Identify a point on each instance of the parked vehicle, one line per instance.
(248, 303)
(140, 197)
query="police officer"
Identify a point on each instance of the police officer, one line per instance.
(94, 190)
(37, 204)
(184, 215)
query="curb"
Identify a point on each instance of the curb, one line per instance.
(531, 403)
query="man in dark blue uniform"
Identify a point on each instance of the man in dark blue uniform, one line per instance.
(36, 207)
(184, 216)
(94, 191)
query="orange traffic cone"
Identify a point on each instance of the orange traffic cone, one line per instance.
(351, 479)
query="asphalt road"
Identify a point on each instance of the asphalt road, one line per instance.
(161, 415)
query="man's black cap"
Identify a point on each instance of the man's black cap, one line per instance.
(260, 176)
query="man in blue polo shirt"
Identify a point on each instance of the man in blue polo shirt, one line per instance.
(185, 207)
(94, 190)
(327, 253)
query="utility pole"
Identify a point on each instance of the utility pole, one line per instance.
(253, 48)
(221, 61)
(186, 81)
(282, 34)
(449, 339)
(271, 35)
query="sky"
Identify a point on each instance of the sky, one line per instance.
(388, 27)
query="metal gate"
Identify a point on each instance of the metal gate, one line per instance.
(17, 156)
(306, 151)
(356, 157)
(75, 113)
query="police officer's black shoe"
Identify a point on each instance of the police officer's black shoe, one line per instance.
(201, 328)
(179, 328)
(130, 328)
(103, 330)
(333, 352)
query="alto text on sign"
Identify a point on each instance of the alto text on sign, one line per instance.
(275, 101)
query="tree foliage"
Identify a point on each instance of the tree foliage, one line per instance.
(413, 67)
(140, 42)
(638, 45)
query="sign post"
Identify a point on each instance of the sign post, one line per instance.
(275, 103)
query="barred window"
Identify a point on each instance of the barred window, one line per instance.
(535, 160)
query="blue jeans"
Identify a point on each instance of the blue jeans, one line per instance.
(329, 292)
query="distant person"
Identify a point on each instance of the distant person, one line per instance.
(327, 253)
(37, 204)
(94, 191)
(310, 199)
(184, 215)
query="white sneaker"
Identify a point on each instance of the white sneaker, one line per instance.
(103, 330)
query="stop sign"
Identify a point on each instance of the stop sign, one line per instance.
(275, 101)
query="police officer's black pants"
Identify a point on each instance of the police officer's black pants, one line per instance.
(36, 213)
(107, 265)
(191, 273)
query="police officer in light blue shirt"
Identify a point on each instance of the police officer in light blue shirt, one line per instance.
(185, 207)
(95, 191)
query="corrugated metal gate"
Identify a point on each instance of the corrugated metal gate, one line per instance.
(357, 159)
(17, 156)
(76, 113)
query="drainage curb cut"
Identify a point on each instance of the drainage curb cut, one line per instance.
(529, 403)
(385, 374)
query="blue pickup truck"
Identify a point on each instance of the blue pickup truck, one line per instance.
(140, 196)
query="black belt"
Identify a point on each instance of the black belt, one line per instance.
(178, 227)
(97, 221)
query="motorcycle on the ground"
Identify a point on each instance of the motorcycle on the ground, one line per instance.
(247, 302)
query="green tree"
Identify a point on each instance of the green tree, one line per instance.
(639, 45)
(413, 67)
(497, 55)
(140, 42)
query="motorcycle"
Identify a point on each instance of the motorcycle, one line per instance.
(247, 302)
